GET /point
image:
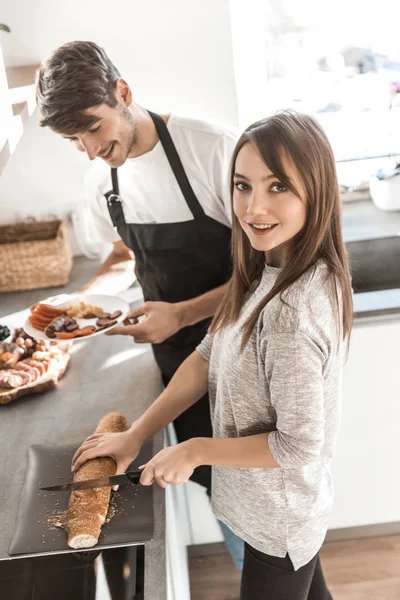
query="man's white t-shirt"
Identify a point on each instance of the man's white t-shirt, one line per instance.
(148, 188)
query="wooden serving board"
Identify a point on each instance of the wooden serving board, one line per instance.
(42, 384)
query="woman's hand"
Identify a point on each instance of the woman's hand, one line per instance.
(122, 447)
(172, 465)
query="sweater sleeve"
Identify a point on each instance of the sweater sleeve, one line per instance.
(294, 371)
(205, 347)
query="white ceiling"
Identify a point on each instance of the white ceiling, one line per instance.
(176, 54)
(39, 26)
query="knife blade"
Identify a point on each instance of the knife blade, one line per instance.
(124, 479)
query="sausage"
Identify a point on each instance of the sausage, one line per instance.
(69, 335)
(26, 377)
(32, 372)
(90, 315)
(71, 326)
(103, 322)
(106, 325)
(41, 366)
(3, 373)
(85, 331)
(58, 324)
(38, 322)
(115, 315)
(47, 310)
(12, 381)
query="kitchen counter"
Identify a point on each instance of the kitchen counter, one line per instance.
(380, 306)
(105, 374)
(362, 221)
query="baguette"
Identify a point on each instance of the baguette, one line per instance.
(87, 510)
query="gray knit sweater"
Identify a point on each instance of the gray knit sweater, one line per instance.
(287, 382)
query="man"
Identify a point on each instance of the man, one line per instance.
(160, 196)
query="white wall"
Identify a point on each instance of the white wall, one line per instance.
(42, 179)
(5, 106)
(43, 176)
(176, 55)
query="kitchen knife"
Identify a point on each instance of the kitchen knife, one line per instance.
(127, 478)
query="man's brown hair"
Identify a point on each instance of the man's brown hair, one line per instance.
(76, 76)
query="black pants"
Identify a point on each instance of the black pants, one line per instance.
(267, 577)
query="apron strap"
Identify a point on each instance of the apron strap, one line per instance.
(114, 179)
(176, 165)
(113, 201)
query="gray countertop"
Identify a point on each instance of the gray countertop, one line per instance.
(105, 374)
(362, 220)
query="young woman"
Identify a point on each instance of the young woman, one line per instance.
(272, 363)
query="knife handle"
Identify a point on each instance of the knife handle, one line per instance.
(133, 476)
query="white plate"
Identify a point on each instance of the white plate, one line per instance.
(108, 304)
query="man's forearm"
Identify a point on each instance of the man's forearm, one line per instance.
(202, 307)
(116, 274)
(187, 386)
(246, 452)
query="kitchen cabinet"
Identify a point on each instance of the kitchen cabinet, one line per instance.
(365, 465)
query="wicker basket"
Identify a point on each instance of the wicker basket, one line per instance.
(34, 255)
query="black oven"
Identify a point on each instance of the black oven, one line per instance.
(112, 574)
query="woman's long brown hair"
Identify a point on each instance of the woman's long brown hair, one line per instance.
(300, 139)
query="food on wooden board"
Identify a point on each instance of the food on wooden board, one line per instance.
(30, 366)
(20, 346)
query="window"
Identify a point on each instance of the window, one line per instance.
(333, 60)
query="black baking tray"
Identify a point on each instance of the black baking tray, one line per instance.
(133, 522)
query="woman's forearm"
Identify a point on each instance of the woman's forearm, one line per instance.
(187, 386)
(247, 452)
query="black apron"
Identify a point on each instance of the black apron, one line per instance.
(177, 262)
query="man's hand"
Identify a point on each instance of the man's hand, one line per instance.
(162, 319)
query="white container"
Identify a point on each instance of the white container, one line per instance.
(385, 193)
